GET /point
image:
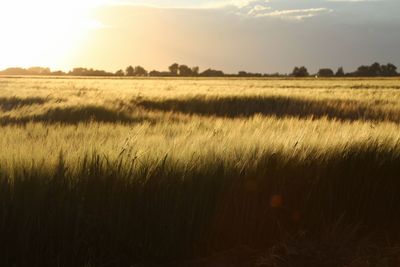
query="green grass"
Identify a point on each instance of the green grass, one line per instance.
(103, 172)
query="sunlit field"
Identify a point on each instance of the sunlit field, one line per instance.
(118, 172)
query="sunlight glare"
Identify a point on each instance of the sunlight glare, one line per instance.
(44, 32)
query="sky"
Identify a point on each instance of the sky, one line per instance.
(232, 35)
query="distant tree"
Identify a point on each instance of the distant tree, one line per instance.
(29, 71)
(89, 72)
(212, 73)
(185, 71)
(339, 72)
(300, 72)
(363, 71)
(369, 71)
(39, 71)
(154, 73)
(78, 71)
(130, 71)
(58, 73)
(325, 73)
(389, 70)
(195, 71)
(242, 73)
(174, 68)
(140, 71)
(376, 69)
(248, 74)
(119, 73)
(276, 74)
(15, 71)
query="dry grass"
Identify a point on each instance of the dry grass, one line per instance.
(115, 171)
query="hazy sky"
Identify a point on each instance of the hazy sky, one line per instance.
(232, 35)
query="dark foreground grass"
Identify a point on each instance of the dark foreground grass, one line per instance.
(279, 106)
(10, 103)
(73, 115)
(122, 213)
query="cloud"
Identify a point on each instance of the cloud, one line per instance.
(258, 10)
(251, 8)
(243, 8)
(352, 1)
(262, 9)
(235, 3)
(297, 14)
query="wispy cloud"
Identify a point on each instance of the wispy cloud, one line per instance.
(297, 14)
(244, 8)
(354, 1)
(250, 7)
(262, 8)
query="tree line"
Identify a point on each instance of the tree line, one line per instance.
(177, 70)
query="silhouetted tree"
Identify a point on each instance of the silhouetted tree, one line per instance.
(363, 71)
(39, 71)
(300, 72)
(15, 71)
(376, 69)
(174, 69)
(248, 74)
(119, 73)
(89, 72)
(58, 73)
(140, 71)
(185, 71)
(212, 73)
(276, 74)
(29, 71)
(339, 72)
(389, 70)
(195, 71)
(154, 73)
(325, 72)
(130, 71)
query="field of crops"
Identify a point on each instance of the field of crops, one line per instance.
(119, 172)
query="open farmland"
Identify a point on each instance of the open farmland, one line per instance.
(116, 172)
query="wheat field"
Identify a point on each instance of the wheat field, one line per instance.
(116, 172)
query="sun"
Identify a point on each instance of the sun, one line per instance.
(43, 32)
